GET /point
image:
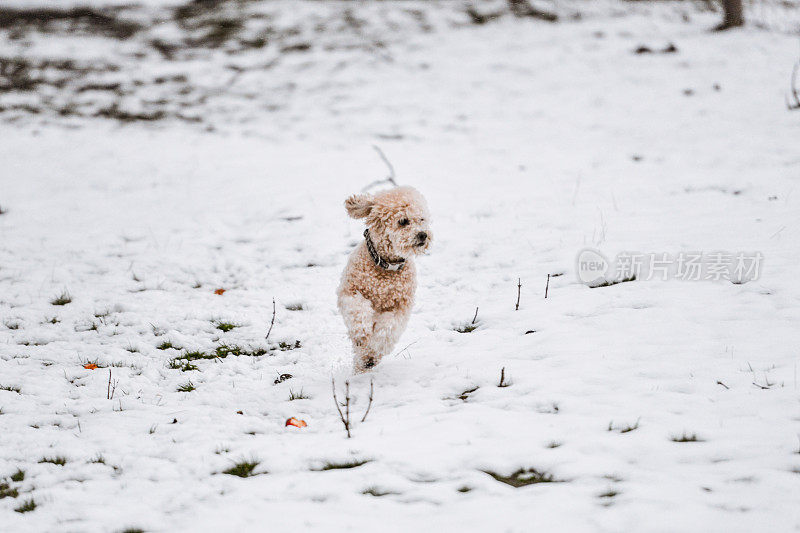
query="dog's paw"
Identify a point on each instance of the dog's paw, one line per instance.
(365, 364)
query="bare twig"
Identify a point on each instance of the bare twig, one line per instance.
(406, 348)
(347, 404)
(369, 405)
(387, 179)
(721, 383)
(503, 382)
(345, 421)
(272, 323)
(112, 387)
(793, 101)
(519, 292)
(547, 287)
(476, 316)
(388, 164)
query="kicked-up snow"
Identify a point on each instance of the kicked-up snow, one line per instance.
(649, 405)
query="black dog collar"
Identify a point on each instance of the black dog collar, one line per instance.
(380, 261)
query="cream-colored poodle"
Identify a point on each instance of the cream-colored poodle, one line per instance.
(378, 284)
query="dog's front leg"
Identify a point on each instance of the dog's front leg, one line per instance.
(359, 319)
(388, 327)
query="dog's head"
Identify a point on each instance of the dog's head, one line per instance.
(397, 219)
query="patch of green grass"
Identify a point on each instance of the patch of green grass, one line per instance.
(609, 283)
(6, 491)
(10, 389)
(195, 355)
(464, 489)
(608, 494)
(294, 307)
(62, 299)
(184, 366)
(353, 463)
(132, 530)
(242, 469)
(26, 506)
(554, 444)
(524, 477)
(225, 326)
(183, 361)
(285, 346)
(466, 328)
(624, 429)
(186, 387)
(167, 345)
(59, 460)
(297, 395)
(224, 350)
(686, 438)
(377, 492)
(18, 476)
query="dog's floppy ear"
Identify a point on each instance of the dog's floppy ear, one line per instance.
(359, 205)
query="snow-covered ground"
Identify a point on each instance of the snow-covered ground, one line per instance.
(532, 142)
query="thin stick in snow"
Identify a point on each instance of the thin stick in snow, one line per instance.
(503, 382)
(389, 178)
(546, 287)
(793, 102)
(112, 387)
(476, 316)
(345, 421)
(272, 323)
(519, 292)
(347, 404)
(369, 405)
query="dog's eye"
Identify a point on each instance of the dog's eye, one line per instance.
(403, 222)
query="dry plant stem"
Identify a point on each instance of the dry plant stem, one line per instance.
(547, 287)
(793, 102)
(112, 386)
(345, 421)
(476, 316)
(389, 178)
(519, 292)
(272, 323)
(369, 405)
(347, 403)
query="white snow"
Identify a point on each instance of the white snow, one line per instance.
(524, 138)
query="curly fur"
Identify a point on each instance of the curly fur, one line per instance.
(376, 303)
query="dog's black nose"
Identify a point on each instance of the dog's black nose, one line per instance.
(422, 236)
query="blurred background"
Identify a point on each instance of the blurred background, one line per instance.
(288, 68)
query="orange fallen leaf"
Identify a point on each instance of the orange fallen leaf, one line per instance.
(90, 366)
(296, 422)
(220, 292)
